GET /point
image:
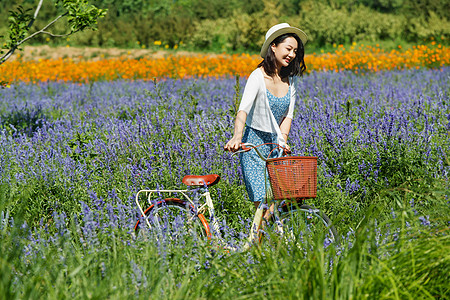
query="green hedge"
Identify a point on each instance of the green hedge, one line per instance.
(323, 24)
(210, 25)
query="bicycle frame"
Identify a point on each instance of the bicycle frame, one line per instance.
(200, 201)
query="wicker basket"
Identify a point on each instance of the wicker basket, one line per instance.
(293, 177)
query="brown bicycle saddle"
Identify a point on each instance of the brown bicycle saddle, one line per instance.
(201, 180)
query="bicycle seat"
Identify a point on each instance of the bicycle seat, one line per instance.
(201, 180)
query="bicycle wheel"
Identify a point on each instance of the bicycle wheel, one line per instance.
(306, 224)
(171, 220)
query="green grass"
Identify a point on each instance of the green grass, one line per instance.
(392, 256)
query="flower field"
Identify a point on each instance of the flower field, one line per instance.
(78, 145)
(359, 59)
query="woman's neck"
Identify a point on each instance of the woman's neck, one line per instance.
(278, 70)
(275, 77)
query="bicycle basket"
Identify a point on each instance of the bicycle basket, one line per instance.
(293, 177)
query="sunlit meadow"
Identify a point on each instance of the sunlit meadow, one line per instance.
(76, 149)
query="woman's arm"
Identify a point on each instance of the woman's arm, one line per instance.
(247, 101)
(235, 143)
(285, 128)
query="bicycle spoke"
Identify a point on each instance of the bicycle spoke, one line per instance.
(172, 222)
(306, 224)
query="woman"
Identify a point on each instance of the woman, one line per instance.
(267, 104)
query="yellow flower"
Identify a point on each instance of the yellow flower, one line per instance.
(157, 43)
(175, 47)
(166, 46)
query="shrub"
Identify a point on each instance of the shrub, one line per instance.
(240, 26)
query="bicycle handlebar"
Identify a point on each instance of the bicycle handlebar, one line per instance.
(249, 146)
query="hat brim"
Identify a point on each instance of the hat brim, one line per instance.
(303, 37)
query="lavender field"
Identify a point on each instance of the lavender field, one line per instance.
(73, 156)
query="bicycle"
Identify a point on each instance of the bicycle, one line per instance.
(293, 179)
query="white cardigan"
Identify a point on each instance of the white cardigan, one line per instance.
(256, 104)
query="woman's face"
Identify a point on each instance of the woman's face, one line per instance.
(285, 51)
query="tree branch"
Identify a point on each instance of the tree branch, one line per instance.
(11, 51)
(36, 13)
(40, 31)
(7, 55)
(57, 35)
(82, 15)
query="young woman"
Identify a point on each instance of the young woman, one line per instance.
(267, 104)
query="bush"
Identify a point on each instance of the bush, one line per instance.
(323, 24)
(240, 32)
(240, 26)
(421, 28)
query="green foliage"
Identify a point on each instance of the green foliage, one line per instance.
(26, 120)
(424, 28)
(79, 149)
(328, 26)
(237, 95)
(324, 25)
(240, 32)
(18, 26)
(412, 262)
(39, 199)
(80, 15)
(231, 26)
(383, 5)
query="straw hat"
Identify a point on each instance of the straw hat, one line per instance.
(280, 29)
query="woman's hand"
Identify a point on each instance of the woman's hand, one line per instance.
(286, 123)
(287, 149)
(233, 145)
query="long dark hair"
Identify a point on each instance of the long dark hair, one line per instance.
(295, 68)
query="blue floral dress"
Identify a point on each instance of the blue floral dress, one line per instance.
(253, 167)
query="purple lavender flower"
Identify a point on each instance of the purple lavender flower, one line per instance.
(425, 220)
(102, 148)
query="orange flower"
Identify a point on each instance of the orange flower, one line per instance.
(360, 58)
